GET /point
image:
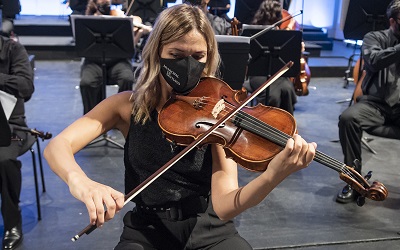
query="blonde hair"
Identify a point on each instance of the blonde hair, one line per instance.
(172, 24)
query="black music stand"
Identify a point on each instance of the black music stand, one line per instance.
(234, 51)
(272, 50)
(245, 10)
(364, 16)
(5, 131)
(103, 37)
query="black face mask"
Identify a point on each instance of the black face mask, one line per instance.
(104, 9)
(182, 74)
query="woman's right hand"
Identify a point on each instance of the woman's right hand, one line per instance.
(102, 202)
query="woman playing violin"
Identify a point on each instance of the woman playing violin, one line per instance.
(192, 205)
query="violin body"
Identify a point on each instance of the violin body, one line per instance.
(183, 122)
(290, 24)
(303, 79)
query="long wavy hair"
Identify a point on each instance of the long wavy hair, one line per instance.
(172, 24)
(269, 12)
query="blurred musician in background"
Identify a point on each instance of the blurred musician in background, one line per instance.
(78, 7)
(377, 109)
(119, 70)
(281, 93)
(9, 9)
(220, 8)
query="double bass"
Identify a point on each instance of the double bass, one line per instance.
(302, 80)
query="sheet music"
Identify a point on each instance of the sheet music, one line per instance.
(8, 102)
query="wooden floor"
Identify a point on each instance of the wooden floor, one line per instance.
(301, 213)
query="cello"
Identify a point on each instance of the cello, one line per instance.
(358, 79)
(302, 80)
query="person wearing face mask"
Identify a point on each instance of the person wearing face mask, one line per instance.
(377, 110)
(119, 70)
(191, 205)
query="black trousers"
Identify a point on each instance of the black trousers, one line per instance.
(279, 94)
(146, 231)
(10, 179)
(376, 118)
(91, 84)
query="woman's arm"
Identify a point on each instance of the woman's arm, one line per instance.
(59, 153)
(229, 199)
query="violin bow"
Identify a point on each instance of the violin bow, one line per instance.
(132, 194)
(130, 7)
(275, 25)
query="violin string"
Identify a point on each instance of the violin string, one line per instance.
(277, 134)
(281, 138)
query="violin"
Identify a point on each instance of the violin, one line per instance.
(252, 137)
(302, 80)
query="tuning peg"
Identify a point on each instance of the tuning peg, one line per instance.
(360, 201)
(368, 175)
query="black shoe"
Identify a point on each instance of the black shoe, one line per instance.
(12, 238)
(347, 195)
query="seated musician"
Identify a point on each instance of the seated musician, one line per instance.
(377, 110)
(119, 70)
(16, 79)
(281, 93)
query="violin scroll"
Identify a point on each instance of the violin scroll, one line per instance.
(377, 191)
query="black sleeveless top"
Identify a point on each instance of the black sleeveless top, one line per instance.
(146, 151)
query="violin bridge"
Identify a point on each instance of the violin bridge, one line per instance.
(219, 106)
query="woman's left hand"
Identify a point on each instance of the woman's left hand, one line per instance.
(296, 155)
